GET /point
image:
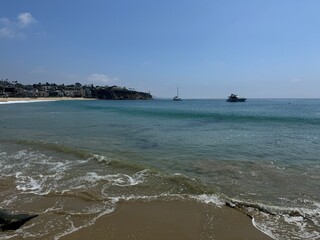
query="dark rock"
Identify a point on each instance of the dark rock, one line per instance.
(120, 94)
(13, 221)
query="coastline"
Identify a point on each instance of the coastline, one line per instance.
(178, 219)
(16, 100)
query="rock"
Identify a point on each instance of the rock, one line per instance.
(119, 94)
(13, 221)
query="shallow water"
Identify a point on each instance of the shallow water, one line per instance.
(261, 155)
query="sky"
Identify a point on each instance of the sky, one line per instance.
(207, 48)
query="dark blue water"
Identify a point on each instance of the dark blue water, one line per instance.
(261, 154)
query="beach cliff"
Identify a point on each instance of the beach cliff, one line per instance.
(119, 94)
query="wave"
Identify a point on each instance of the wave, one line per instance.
(114, 163)
(210, 116)
(120, 172)
(54, 147)
(271, 210)
(110, 180)
(281, 222)
(187, 185)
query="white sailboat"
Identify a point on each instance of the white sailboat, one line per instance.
(176, 98)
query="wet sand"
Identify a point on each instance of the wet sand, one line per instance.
(170, 220)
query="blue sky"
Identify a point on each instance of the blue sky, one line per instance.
(209, 48)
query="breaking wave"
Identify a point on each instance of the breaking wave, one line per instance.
(281, 222)
(92, 184)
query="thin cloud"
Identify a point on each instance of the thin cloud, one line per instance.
(5, 21)
(25, 20)
(7, 29)
(101, 78)
(14, 29)
(6, 32)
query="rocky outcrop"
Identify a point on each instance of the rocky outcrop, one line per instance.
(13, 221)
(120, 94)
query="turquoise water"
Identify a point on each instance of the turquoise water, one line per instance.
(261, 155)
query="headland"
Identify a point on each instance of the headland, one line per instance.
(13, 91)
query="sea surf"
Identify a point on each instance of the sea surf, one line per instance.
(72, 162)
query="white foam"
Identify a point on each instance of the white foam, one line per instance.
(213, 199)
(27, 183)
(119, 179)
(263, 229)
(53, 208)
(20, 155)
(73, 229)
(100, 158)
(317, 204)
(8, 202)
(295, 219)
(283, 225)
(115, 200)
(27, 101)
(9, 237)
(2, 154)
(122, 180)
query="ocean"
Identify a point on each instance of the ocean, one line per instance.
(81, 158)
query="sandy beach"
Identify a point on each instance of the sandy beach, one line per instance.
(170, 220)
(4, 100)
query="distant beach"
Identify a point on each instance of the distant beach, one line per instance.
(40, 99)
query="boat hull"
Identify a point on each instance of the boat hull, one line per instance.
(237, 100)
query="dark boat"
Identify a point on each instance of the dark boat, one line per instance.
(235, 98)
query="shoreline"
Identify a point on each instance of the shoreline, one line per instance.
(16, 100)
(177, 219)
